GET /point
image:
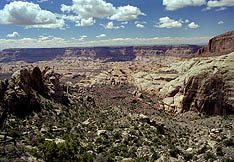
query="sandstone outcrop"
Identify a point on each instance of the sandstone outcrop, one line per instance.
(23, 92)
(200, 84)
(219, 45)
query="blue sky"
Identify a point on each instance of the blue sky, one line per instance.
(71, 23)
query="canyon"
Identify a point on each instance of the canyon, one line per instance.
(144, 103)
(32, 55)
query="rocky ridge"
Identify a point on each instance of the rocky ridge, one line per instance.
(199, 84)
(219, 45)
(31, 55)
(26, 88)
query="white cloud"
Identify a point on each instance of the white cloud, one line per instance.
(41, 1)
(86, 9)
(82, 37)
(166, 22)
(193, 25)
(29, 15)
(101, 36)
(187, 21)
(140, 26)
(125, 13)
(220, 22)
(221, 3)
(124, 23)
(86, 22)
(110, 25)
(49, 42)
(90, 8)
(13, 35)
(172, 5)
(221, 9)
(140, 22)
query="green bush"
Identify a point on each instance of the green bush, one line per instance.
(202, 150)
(210, 156)
(53, 152)
(219, 151)
(188, 156)
(154, 157)
(174, 151)
(14, 134)
(228, 160)
(228, 142)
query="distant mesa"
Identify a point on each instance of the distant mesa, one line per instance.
(219, 45)
(108, 54)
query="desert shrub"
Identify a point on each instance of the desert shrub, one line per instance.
(143, 159)
(188, 156)
(154, 157)
(228, 142)
(14, 133)
(117, 136)
(202, 150)
(228, 160)
(174, 151)
(219, 151)
(209, 156)
(53, 152)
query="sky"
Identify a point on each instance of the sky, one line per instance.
(81, 23)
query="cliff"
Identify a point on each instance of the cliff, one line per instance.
(219, 45)
(104, 53)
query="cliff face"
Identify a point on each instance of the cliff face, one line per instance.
(104, 53)
(219, 45)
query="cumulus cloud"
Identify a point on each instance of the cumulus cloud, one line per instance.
(82, 37)
(193, 25)
(86, 9)
(29, 15)
(110, 25)
(166, 22)
(13, 35)
(101, 36)
(222, 4)
(90, 8)
(220, 22)
(49, 42)
(124, 23)
(140, 26)
(125, 13)
(86, 22)
(41, 1)
(172, 5)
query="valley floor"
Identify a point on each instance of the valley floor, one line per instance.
(114, 124)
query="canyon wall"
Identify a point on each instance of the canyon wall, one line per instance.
(31, 55)
(219, 45)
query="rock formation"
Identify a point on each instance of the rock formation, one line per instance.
(219, 45)
(108, 54)
(199, 84)
(23, 92)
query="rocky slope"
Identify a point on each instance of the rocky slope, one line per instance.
(105, 123)
(23, 92)
(219, 45)
(103, 53)
(199, 84)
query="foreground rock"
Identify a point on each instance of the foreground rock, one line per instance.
(23, 92)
